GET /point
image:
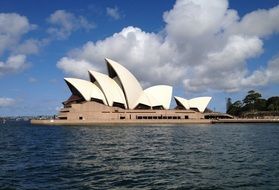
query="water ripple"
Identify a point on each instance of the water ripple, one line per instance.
(173, 157)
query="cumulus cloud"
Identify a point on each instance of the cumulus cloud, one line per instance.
(29, 46)
(272, 70)
(13, 49)
(262, 76)
(113, 12)
(12, 27)
(14, 63)
(224, 69)
(258, 23)
(189, 18)
(79, 67)
(204, 45)
(64, 23)
(132, 47)
(6, 102)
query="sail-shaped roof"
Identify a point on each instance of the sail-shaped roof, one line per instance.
(121, 88)
(87, 89)
(200, 102)
(182, 102)
(148, 100)
(159, 95)
(127, 81)
(112, 91)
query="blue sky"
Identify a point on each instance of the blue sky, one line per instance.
(218, 48)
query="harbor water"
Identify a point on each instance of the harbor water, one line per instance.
(220, 156)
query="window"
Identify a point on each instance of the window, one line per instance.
(80, 118)
(186, 117)
(142, 107)
(157, 107)
(116, 104)
(122, 117)
(97, 100)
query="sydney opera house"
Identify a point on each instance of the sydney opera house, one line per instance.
(118, 97)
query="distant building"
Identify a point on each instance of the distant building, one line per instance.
(119, 96)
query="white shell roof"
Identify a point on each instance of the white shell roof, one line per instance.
(130, 85)
(184, 102)
(87, 89)
(121, 86)
(148, 100)
(112, 91)
(200, 102)
(159, 95)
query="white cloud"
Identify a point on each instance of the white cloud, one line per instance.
(137, 50)
(204, 45)
(113, 12)
(264, 75)
(258, 23)
(272, 70)
(64, 23)
(225, 69)
(79, 67)
(236, 51)
(29, 46)
(12, 27)
(6, 102)
(14, 63)
(193, 18)
(13, 49)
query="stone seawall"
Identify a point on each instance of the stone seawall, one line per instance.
(121, 122)
(149, 122)
(246, 121)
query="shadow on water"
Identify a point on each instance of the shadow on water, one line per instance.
(230, 156)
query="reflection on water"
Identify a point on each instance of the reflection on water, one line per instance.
(238, 156)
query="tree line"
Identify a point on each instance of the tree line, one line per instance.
(253, 105)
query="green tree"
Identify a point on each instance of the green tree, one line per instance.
(251, 99)
(273, 103)
(253, 105)
(235, 108)
(260, 105)
(271, 107)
